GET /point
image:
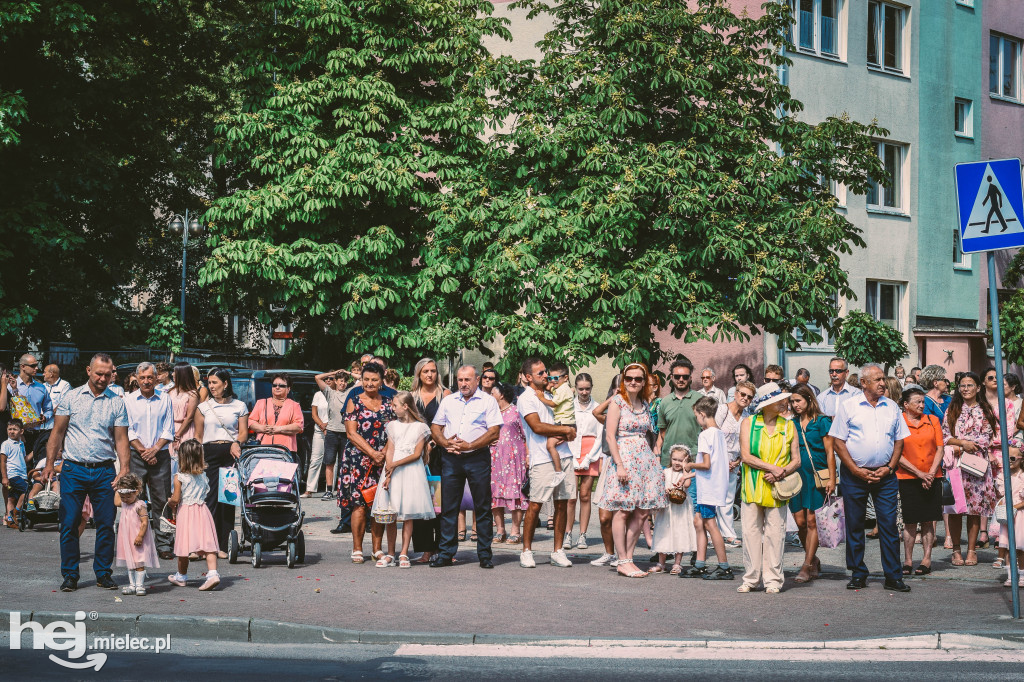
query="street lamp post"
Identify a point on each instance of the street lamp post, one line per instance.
(186, 227)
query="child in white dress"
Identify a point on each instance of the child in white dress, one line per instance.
(673, 525)
(404, 481)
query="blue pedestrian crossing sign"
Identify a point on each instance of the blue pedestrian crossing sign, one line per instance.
(990, 204)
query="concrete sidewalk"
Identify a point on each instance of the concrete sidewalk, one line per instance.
(581, 603)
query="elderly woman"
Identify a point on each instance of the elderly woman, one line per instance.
(278, 420)
(634, 483)
(729, 418)
(920, 477)
(816, 455)
(768, 449)
(969, 428)
(936, 391)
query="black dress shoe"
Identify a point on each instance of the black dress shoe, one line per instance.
(896, 586)
(166, 556)
(439, 561)
(69, 585)
(857, 584)
(106, 582)
(486, 563)
(341, 528)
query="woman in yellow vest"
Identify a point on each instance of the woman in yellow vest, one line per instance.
(769, 453)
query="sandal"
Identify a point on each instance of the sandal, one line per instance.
(971, 562)
(804, 576)
(378, 554)
(403, 561)
(385, 561)
(908, 569)
(637, 573)
(472, 536)
(423, 559)
(357, 557)
(999, 563)
(462, 536)
(676, 569)
(983, 544)
(957, 559)
(513, 539)
(657, 568)
(922, 569)
(816, 568)
(947, 543)
(499, 537)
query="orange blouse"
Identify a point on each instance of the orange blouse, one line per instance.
(921, 446)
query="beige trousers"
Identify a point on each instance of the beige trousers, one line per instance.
(764, 541)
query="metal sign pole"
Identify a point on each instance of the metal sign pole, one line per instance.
(993, 298)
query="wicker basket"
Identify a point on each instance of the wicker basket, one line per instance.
(385, 516)
(47, 500)
(676, 495)
(168, 521)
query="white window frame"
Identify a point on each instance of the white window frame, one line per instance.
(968, 117)
(900, 291)
(904, 39)
(827, 342)
(816, 20)
(1005, 42)
(900, 183)
(961, 260)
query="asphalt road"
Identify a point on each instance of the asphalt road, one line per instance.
(580, 601)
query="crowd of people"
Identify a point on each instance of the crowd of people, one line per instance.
(905, 450)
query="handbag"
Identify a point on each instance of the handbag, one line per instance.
(227, 488)
(788, 488)
(1000, 513)
(974, 465)
(368, 492)
(831, 522)
(821, 476)
(956, 482)
(947, 493)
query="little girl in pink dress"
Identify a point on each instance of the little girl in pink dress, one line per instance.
(135, 546)
(195, 530)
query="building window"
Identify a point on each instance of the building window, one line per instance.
(817, 25)
(963, 117)
(1004, 66)
(889, 195)
(886, 23)
(883, 302)
(960, 259)
(827, 340)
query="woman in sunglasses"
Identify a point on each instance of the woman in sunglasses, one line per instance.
(278, 420)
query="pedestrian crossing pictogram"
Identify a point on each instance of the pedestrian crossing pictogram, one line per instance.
(990, 203)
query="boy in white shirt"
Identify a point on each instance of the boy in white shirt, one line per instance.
(712, 469)
(13, 469)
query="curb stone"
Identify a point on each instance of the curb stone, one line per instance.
(260, 631)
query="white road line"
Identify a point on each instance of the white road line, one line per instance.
(699, 653)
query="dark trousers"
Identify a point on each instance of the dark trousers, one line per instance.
(35, 444)
(884, 494)
(218, 456)
(426, 533)
(455, 471)
(156, 489)
(76, 483)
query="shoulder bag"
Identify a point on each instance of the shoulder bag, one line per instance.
(821, 476)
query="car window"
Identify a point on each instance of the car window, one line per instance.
(243, 391)
(303, 392)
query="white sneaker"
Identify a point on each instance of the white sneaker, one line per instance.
(526, 559)
(603, 560)
(582, 542)
(567, 543)
(559, 559)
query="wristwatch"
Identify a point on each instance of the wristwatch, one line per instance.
(891, 470)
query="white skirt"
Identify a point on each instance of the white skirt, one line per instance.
(408, 494)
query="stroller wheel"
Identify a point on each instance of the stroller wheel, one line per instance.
(257, 555)
(232, 547)
(300, 548)
(22, 522)
(291, 555)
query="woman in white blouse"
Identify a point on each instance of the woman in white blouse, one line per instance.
(586, 457)
(222, 425)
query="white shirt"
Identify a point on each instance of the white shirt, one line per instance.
(15, 453)
(712, 484)
(116, 389)
(163, 388)
(870, 432)
(229, 413)
(536, 444)
(830, 399)
(730, 427)
(586, 425)
(149, 419)
(468, 419)
(714, 392)
(56, 392)
(320, 403)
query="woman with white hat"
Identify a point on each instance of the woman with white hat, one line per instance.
(769, 453)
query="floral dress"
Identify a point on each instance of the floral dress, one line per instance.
(358, 471)
(509, 463)
(980, 493)
(645, 487)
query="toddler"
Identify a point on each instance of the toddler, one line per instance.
(135, 546)
(564, 412)
(712, 487)
(13, 470)
(674, 531)
(194, 529)
(1017, 500)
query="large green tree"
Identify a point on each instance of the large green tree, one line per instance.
(654, 175)
(355, 116)
(106, 119)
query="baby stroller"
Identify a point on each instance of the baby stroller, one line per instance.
(269, 499)
(45, 510)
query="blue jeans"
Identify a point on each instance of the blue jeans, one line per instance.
(76, 483)
(885, 494)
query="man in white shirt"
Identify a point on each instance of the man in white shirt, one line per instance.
(466, 424)
(55, 386)
(708, 388)
(550, 479)
(150, 429)
(868, 432)
(838, 391)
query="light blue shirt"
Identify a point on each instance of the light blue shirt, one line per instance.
(149, 419)
(830, 399)
(14, 450)
(39, 398)
(91, 424)
(870, 432)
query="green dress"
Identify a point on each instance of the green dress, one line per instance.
(813, 437)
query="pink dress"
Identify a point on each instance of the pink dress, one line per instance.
(1017, 481)
(195, 530)
(128, 554)
(509, 463)
(980, 492)
(179, 404)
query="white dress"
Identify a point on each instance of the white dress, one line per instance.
(409, 491)
(673, 525)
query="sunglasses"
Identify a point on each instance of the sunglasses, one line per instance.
(34, 365)
(280, 385)
(748, 396)
(555, 377)
(636, 380)
(681, 376)
(493, 376)
(1014, 459)
(837, 371)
